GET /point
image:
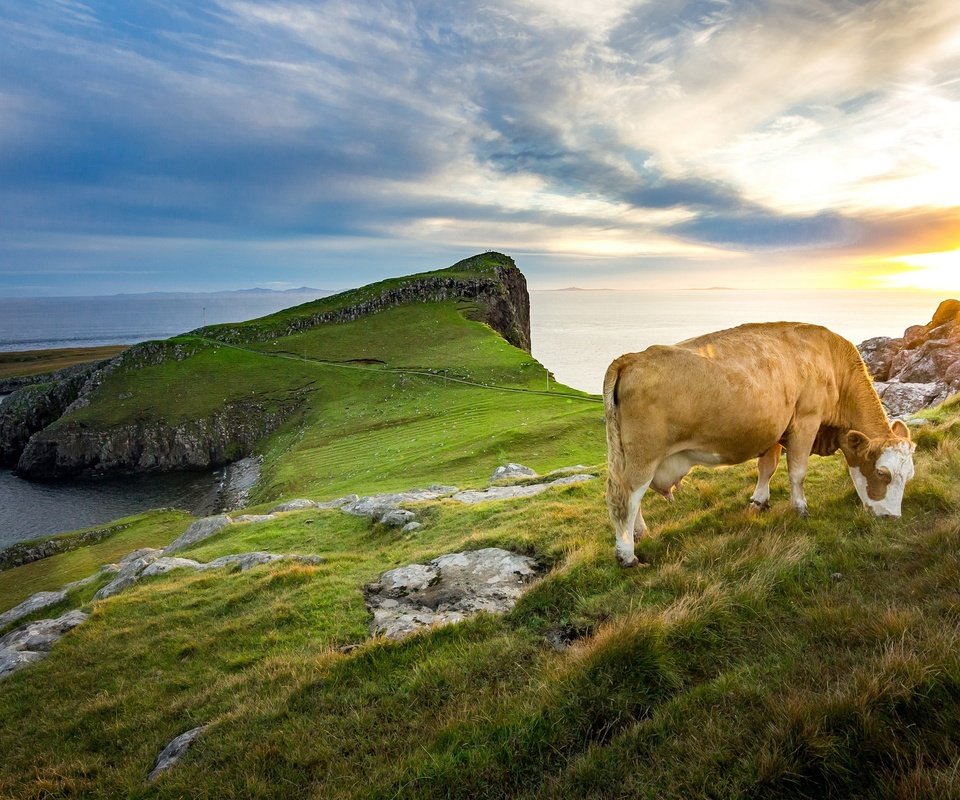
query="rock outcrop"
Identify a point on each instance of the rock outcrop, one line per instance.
(173, 752)
(509, 492)
(35, 406)
(447, 589)
(921, 368)
(33, 641)
(230, 433)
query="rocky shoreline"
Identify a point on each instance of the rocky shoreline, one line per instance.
(920, 368)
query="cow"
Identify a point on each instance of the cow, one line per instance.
(743, 393)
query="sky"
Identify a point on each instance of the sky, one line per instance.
(192, 145)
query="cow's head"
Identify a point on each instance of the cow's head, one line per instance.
(881, 467)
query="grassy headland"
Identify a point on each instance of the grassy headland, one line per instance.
(23, 363)
(756, 656)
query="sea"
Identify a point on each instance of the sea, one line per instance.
(575, 334)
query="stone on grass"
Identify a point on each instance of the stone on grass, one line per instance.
(129, 572)
(13, 660)
(447, 590)
(293, 505)
(33, 603)
(340, 502)
(34, 640)
(242, 561)
(396, 518)
(510, 471)
(174, 751)
(200, 530)
(411, 526)
(472, 497)
(375, 506)
(251, 518)
(163, 565)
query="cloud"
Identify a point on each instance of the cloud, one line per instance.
(683, 129)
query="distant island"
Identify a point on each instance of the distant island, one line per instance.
(578, 289)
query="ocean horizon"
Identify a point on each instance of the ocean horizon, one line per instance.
(575, 333)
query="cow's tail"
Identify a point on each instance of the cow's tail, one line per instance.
(617, 491)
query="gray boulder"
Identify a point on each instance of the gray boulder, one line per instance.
(472, 497)
(34, 602)
(339, 502)
(163, 565)
(252, 518)
(33, 641)
(397, 518)
(920, 369)
(447, 589)
(173, 752)
(293, 505)
(903, 399)
(131, 566)
(13, 660)
(200, 530)
(511, 471)
(410, 527)
(375, 506)
(243, 561)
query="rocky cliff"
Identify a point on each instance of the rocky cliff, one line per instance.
(920, 368)
(36, 405)
(491, 279)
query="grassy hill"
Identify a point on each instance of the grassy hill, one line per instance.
(756, 656)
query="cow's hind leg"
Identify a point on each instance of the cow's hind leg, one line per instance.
(623, 502)
(799, 445)
(766, 466)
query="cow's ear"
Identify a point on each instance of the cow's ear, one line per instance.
(858, 442)
(900, 429)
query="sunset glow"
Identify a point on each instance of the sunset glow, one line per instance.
(211, 144)
(927, 271)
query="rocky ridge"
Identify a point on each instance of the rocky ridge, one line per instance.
(920, 368)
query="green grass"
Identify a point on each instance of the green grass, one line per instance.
(483, 265)
(151, 529)
(734, 665)
(757, 656)
(381, 402)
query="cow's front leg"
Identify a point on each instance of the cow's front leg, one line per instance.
(799, 445)
(766, 466)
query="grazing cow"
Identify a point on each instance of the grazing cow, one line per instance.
(748, 392)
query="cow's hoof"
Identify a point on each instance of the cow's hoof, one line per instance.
(803, 513)
(628, 562)
(758, 506)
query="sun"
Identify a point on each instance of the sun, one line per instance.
(926, 271)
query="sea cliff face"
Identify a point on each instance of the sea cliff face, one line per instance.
(150, 446)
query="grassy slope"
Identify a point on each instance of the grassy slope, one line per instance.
(150, 529)
(37, 362)
(366, 426)
(735, 665)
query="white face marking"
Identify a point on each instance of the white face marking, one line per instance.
(897, 458)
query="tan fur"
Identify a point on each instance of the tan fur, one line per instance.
(731, 396)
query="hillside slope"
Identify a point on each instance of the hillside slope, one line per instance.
(280, 385)
(757, 656)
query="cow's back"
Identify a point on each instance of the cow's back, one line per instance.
(733, 392)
